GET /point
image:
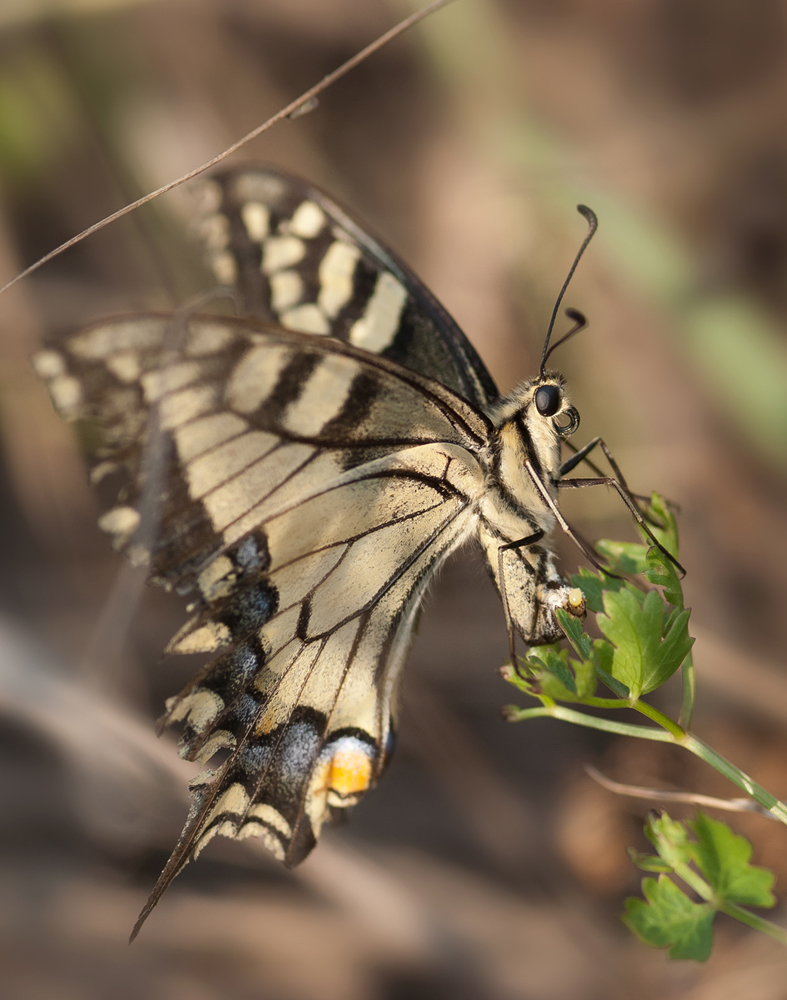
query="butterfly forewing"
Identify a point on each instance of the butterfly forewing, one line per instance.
(296, 257)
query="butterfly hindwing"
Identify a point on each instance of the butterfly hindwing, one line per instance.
(296, 257)
(303, 490)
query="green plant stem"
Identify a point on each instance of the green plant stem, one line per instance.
(687, 707)
(704, 891)
(735, 775)
(672, 727)
(753, 921)
(670, 732)
(697, 882)
(590, 721)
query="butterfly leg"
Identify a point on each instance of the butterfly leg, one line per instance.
(629, 500)
(580, 455)
(521, 543)
(565, 526)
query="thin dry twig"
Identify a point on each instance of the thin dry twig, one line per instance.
(301, 104)
(691, 798)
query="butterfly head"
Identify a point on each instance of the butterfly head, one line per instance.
(530, 423)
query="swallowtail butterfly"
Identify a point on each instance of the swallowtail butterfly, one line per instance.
(301, 471)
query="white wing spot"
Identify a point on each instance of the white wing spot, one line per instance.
(221, 739)
(270, 840)
(286, 290)
(257, 220)
(119, 521)
(224, 267)
(272, 817)
(235, 801)
(263, 187)
(307, 220)
(201, 707)
(205, 639)
(213, 575)
(125, 366)
(336, 277)
(279, 252)
(208, 338)
(307, 318)
(322, 397)
(66, 393)
(375, 330)
(48, 364)
(130, 335)
(255, 377)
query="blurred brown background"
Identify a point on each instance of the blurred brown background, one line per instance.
(486, 865)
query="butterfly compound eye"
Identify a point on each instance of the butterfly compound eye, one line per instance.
(548, 399)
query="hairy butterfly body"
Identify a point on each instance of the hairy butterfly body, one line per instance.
(301, 472)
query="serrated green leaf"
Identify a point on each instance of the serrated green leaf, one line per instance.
(635, 632)
(603, 654)
(642, 659)
(584, 677)
(667, 534)
(623, 557)
(572, 626)
(669, 919)
(663, 573)
(648, 862)
(670, 838)
(551, 672)
(723, 858)
(674, 649)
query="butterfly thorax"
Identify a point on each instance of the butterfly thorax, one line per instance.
(526, 444)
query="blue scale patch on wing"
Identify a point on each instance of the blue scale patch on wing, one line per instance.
(303, 491)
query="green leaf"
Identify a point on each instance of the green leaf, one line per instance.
(663, 573)
(603, 654)
(584, 677)
(552, 675)
(635, 633)
(670, 838)
(642, 659)
(669, 919)
(623, 557)
(648, 862)
(667, 530)
(723, 858)
(572, 626)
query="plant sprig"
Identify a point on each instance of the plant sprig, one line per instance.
(714, 862)
(646, 641)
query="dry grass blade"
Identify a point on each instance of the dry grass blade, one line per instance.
(301, 104)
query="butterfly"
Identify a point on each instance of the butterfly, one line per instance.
(301, 470)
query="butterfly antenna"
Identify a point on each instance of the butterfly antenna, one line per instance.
(592, 222)
(580, 323)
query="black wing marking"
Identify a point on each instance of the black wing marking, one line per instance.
(296, 257)
(306, 490)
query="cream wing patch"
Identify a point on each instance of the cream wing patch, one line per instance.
(336, 272)
(375, 330)
(322, 397)
(255, 376)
